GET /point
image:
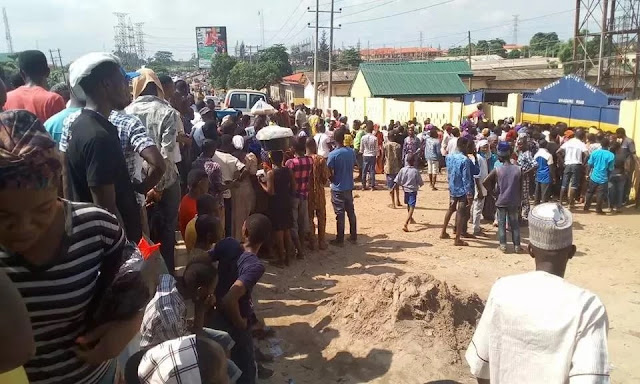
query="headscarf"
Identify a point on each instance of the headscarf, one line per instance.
(238, 142)
(511, 135)
(568, 134)
(28, 155)
(481, 143)
(140, 83)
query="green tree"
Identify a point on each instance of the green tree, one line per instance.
(578, 65)
(253, 76)
(221, 66)
(323, 52)
(349, 59)
(163, 57)
(545, 44)
(491, 47)
(515, 54)
(277, 55)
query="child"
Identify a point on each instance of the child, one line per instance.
(281, 186)
(198, 182)
(508, 181)
(392, 165)
(545, 174)
(239, 271)
(409, 178)
(205, 205)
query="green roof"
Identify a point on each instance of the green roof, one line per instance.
(416, 78)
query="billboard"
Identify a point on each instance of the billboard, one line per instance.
(210, 40)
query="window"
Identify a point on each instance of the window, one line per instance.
(238, 100)
(253, 99)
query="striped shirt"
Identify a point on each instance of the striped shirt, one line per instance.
(58, 296)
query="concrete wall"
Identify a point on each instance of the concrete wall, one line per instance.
(630, 120)
(439, 112)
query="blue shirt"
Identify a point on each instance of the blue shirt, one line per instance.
(601, 162)
(432, 149)
(543, 158)
(459, 169)
(409, 178)
(54, 124)
(341, 162)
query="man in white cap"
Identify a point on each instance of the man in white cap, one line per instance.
(537, 327)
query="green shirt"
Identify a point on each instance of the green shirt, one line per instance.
(356, 142)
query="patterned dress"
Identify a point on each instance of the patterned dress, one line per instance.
(526, 162)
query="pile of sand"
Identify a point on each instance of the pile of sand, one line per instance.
(410, 309)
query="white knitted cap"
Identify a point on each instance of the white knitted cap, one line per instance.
(550, 227)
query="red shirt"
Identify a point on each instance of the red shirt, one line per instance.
(186, 212)
(36, 100)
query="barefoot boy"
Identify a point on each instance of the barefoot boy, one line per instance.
(410, 180)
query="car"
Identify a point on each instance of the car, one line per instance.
(243, 99)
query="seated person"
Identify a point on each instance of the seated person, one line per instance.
(239, 271)
(165, 316)
(205, 205)
(207, 234)
(198, 183)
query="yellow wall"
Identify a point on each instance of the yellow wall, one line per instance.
(355, 108)
(339, 103)
(630, 120)
(398, 110)
(359, 88)
(439, 112)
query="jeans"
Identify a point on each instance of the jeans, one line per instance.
(342, 202)
(300, 211)
(359, 162)
(572, 175)
(227, 343)
(369, 169)
(627, 188)
(543, 191)
(616, 190)
(476, 214)
(510, 213)
(599, 190)
(242, 353)
(168, 207)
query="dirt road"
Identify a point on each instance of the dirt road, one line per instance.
(318, 348)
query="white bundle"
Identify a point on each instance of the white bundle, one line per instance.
(273, 132)
(261, 107)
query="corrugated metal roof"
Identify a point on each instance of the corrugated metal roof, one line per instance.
(521, 74)
(416, 78)
(338, 76)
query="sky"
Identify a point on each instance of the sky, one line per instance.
(81, 26)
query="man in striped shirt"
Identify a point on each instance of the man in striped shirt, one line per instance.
(60, 258)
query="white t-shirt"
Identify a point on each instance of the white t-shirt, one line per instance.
(573, 150)
(452, 145)
(229, 164)
(198, 134)
(322, 141)
(539, 328)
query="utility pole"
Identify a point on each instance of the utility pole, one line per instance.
(584, 47)
(331, 53)
(315, 55)
(261, 14)
(603, 31)
(515, 29)
(64, 76)
(7, 30)
(421, 53)
(53, 62)
(469, 56)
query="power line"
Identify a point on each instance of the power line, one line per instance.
(368, 9)
(286, 21)
(401, 13)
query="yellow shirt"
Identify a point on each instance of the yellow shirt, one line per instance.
(313, 122)
(190, 236)
(17, 376)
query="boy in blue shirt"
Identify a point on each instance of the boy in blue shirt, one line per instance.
(600, 164)
(340, 163)
(410, 180)
(545, 174)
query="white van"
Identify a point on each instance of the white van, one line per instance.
(243, 99)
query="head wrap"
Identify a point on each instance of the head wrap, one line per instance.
(82, 68)
(511, 135)
(238, 142)
(28, 155)
(550, 227)
(481, 143)
(140, 83)
(569, 133)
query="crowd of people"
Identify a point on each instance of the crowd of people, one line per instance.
(116, 158)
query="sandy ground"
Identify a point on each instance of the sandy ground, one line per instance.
(317, 348)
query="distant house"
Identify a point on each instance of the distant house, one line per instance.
(298, 88)
(413, 81)
(399, 54)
